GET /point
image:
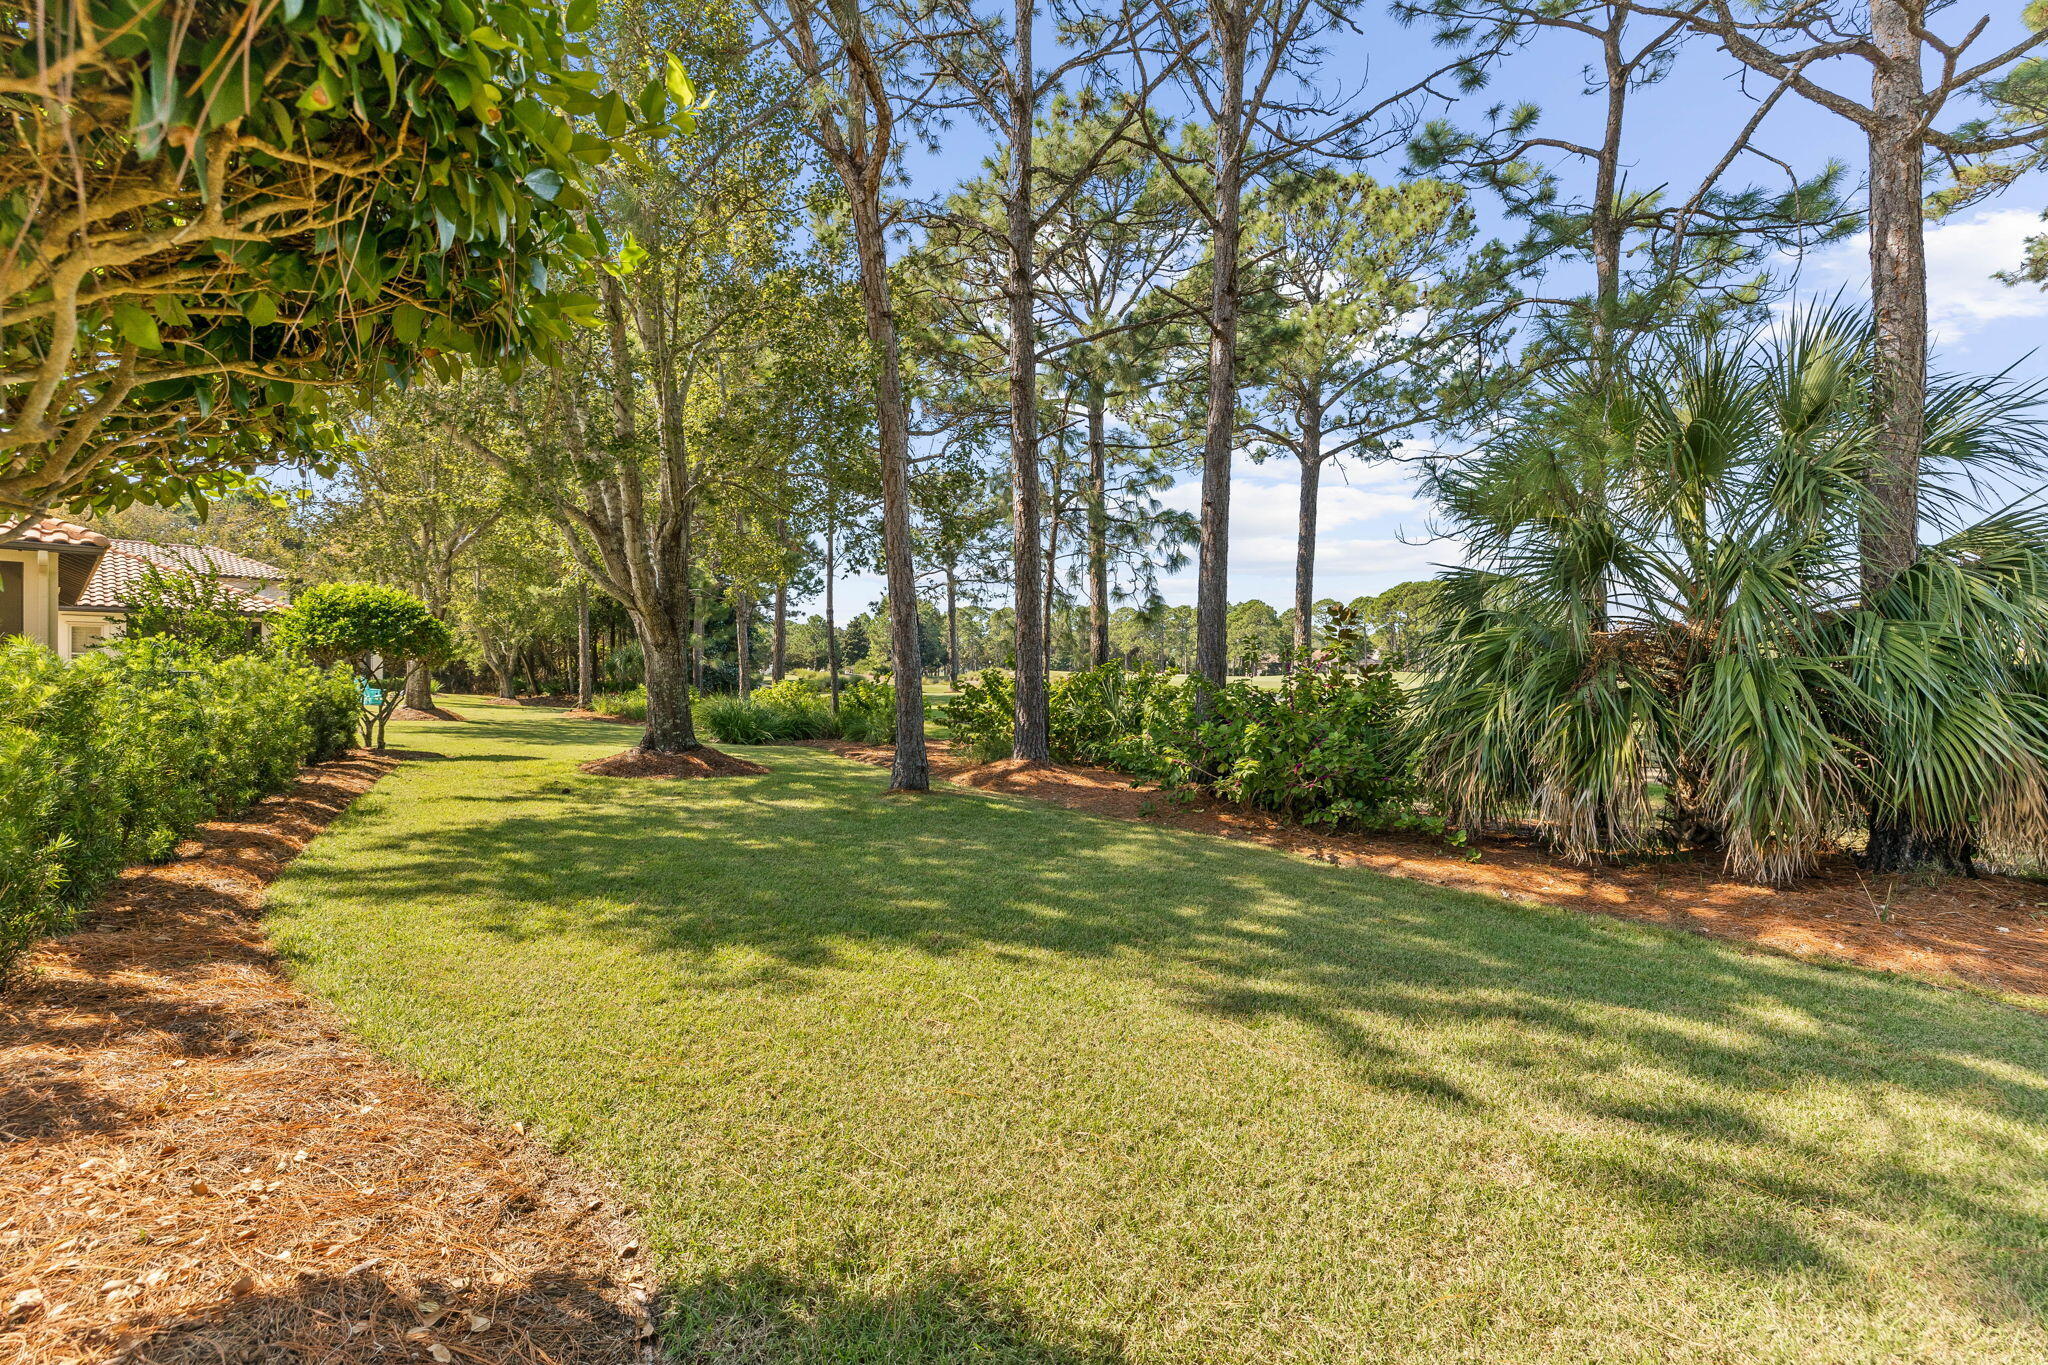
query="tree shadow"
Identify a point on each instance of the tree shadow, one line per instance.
(1542, 1020)
(760, 1315)
(558, 1319)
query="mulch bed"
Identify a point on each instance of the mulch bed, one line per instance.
(198, 1164)
(425, 713)
(703, 761)
(1988, 931)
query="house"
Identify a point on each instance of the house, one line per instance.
(69, 587)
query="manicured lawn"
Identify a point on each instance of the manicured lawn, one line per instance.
(962, 1078)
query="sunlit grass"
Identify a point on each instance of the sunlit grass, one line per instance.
(964, 1078)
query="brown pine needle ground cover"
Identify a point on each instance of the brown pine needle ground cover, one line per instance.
(1987, 931)
(197, 1163)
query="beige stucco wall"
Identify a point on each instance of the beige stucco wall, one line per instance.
(39, 587)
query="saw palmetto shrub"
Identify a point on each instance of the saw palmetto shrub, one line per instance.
(114, 757)
(1666, 634)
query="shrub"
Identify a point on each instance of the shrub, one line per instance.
(1328, 746)
(196, 610)
(867, 712)
(629, 704)
(114, 757)
(776, 714)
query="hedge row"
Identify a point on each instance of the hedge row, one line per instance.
(112, 758)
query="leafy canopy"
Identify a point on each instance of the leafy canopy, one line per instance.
(213, 217)
(336, 622)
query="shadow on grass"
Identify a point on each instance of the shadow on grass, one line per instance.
(761, 1316)
(1680, 1046)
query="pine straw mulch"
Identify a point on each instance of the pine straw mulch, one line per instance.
(1987, 931)
(197, 1164)
(702, 761)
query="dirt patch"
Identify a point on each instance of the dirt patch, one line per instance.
(198, 1164)
(1990, 931)
(703, 761)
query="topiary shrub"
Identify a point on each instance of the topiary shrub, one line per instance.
(376, 630)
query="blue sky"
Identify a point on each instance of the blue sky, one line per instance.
(1374, 529)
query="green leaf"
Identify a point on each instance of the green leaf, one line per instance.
(490, 38)
(545, 182)
(407, 321)
(260, 309)
(582, 16)
(136, 327)
(679, 83)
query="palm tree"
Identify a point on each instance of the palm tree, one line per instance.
(1662, 636)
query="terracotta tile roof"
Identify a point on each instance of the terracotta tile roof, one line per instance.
(200, 558)
(49, 533)
(119, 572)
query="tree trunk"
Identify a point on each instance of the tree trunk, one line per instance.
(586, 651)
(1898, 295)
(1889, 533)
(670, 726)
(1212, 580)
(1098, 531)
(831, 622)
(742, 645)
(778, 635)
(1052, 558)
(1030, 737)
(1311, 457)
(910, 770)
(697, 629)
(952, 628)
(419, 686)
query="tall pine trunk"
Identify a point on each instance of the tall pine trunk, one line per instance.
(910, 770)
(1098, 530)
(778, 635)
(1212, 577)
(831, 621)
(1898, 296)
(1311, 457)
(1030, 737)
(952, 627)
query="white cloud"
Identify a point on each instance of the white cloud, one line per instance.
(1962, 256)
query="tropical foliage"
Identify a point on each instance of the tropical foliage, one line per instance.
(1663, 636)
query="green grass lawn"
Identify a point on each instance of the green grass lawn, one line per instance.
(966, 1078)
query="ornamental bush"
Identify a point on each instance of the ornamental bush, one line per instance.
(1328, 746)
(796, 709)
(375, 629)
(112, 758)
